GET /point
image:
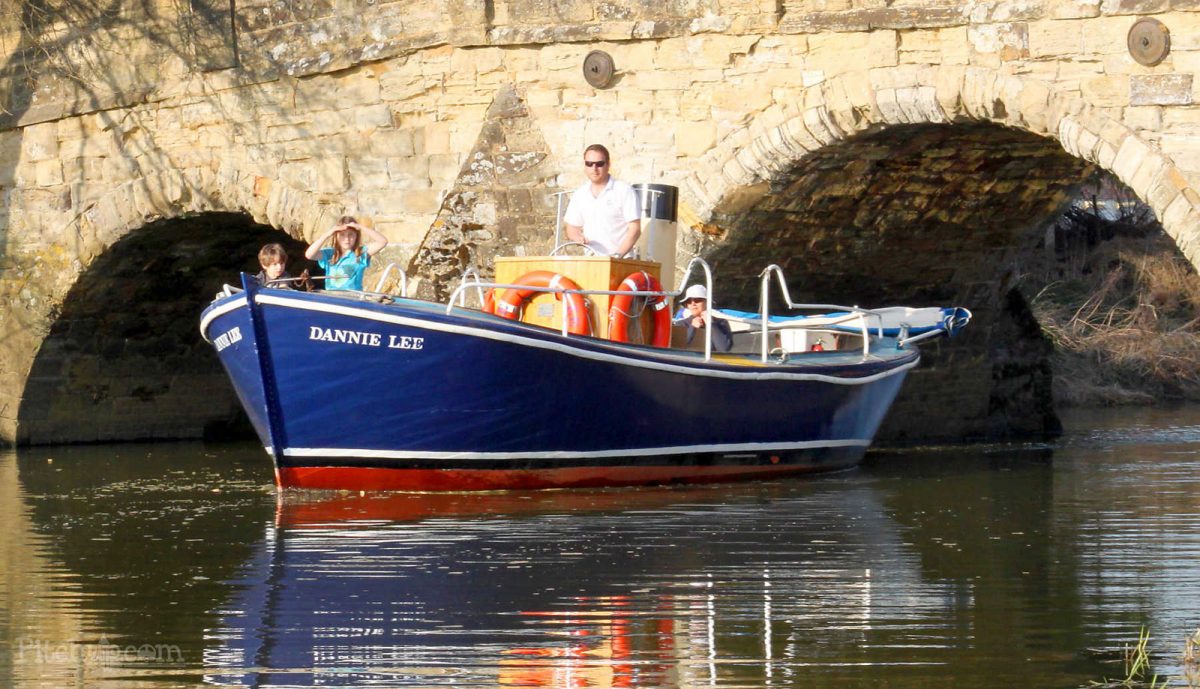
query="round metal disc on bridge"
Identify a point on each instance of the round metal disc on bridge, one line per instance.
(1149, 41)
(598, 69)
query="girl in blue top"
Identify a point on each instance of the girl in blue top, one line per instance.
(346, 262)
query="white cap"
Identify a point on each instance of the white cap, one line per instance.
(695, 292)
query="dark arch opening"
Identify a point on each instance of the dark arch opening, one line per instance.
(920, 209)
(923, 215)
(124, 359)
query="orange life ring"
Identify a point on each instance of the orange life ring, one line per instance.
(618, 313)
(511, 302)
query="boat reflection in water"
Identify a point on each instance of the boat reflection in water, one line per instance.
(576, 588)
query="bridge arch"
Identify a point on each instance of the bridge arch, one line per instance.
(792, 172)
(120, 357)
(847, 105)
(182, 192)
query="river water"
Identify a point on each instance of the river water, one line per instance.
(171, 565)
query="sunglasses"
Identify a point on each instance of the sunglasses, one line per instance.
(595, 163)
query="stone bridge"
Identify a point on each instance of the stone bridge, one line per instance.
(879, 151)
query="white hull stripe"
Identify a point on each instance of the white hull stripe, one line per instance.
(218, 312)
(690, 370)
(572, 454)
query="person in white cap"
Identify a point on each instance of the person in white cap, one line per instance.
(695, 304)
(603, 213)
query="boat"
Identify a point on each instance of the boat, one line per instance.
(375, 391)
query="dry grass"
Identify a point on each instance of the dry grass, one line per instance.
(1138, 665)
(1191, 660)
(1126, 325)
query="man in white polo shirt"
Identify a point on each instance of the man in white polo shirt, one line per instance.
(603, 213)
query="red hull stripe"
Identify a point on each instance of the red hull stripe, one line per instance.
(363, 478)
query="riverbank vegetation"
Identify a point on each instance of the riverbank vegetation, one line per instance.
(1120, 303)
(1139, 673)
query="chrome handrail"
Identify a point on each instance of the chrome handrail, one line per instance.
(961, 316)
(558, 215)
(867, 318)
(403, 279)
(456, 294)
(470, 277)
(708, 286)
(564, 245)
(764, 312)
(556, 290)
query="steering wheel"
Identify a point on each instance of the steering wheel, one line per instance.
(589, 251)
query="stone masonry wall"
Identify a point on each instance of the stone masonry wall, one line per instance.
(295, 113)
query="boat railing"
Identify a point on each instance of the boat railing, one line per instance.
(863, 316)
(699, 263)
(558, 215)
(383, 279)
(904, 339)
(317, 278)
(696, 264)
(469, 278)
(456, 297)
(558, 248)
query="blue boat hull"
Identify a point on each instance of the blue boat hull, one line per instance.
(352, 394)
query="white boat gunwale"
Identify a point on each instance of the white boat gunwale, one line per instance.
(667, 360)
